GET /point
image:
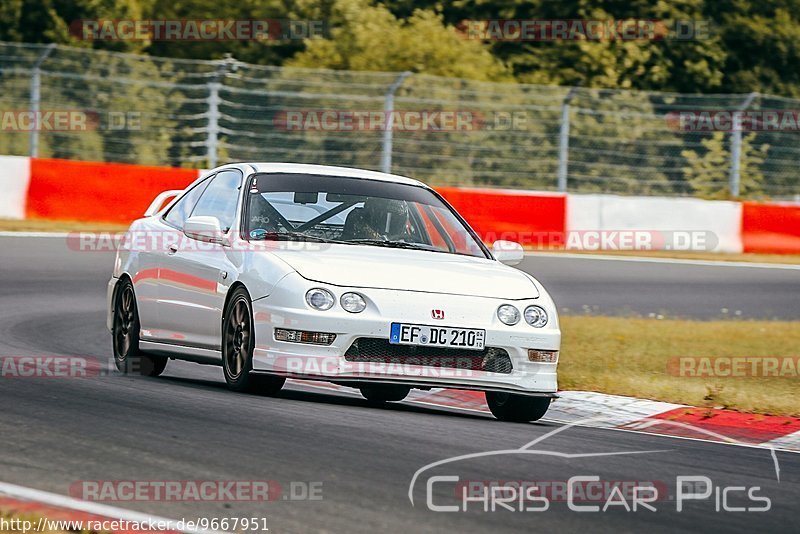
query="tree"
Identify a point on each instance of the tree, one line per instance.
(367, 37)
(707, 170)
(54, 21)
(761, 39)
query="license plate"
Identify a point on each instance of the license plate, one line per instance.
(437, 336)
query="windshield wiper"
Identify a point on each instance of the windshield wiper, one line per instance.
(392, 244)
(290, 236)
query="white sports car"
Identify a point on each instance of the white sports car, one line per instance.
(355, 277)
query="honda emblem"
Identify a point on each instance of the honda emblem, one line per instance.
(437, 314)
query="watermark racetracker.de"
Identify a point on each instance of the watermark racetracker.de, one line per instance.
(53, 366)
(68, 120)
(196, 490)
(734, 366)
(196, 525)
(197, 29)
(579, 240)
(544, 30)
(726, 120)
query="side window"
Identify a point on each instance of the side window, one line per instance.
(220, 199)
(178, 213)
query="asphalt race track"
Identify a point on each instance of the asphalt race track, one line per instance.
(185, 425)
(676, 289)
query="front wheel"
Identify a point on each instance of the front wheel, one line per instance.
(238, 342)
(125, 331)
(516, 408)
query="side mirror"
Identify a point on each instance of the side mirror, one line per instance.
(160, 201)
(508, 252)
(204, 228)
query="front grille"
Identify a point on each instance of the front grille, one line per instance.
(371, 350)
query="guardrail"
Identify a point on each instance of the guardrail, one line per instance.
(114, 192)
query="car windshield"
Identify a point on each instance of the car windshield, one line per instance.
(307, 207)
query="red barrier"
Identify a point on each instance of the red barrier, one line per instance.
(771, 228)
(98, 192)
(529, 219)
(119, 193)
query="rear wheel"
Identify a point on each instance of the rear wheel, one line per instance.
(516, 408)
(238, 342)
(125, 331)
(384, 392)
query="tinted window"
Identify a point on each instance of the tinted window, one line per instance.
(355, 211)
(178, 213)
(220, 199)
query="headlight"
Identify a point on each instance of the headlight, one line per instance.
(320, 299)
(508, 314)
(353, 302)
(535, 316)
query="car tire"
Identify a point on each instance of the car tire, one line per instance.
(384, 392)
(238, 342)
(128, 358)
(516, 408)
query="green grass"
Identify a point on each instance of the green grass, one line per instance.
(629, 356)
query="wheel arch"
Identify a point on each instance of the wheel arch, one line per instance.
(122, 279)
(231, 290)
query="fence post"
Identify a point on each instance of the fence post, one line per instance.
(388, 108)
(212, 132)
(736, 147)
(213, 100)
(36, 87)
(563, 142)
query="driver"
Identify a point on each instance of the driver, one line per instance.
(382, 218)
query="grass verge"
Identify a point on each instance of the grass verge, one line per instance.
(39, 225)
(792, 259)
(630, 356)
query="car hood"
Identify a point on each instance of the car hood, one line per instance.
(409, 270)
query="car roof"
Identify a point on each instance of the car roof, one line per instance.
(323, 170)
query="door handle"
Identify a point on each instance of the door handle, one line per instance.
(172, 249)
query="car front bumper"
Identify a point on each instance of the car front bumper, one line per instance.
(286, 308)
